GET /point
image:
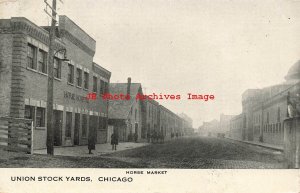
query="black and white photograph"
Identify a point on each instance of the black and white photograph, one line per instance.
(149, 86)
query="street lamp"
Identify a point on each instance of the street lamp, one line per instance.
(50, 132)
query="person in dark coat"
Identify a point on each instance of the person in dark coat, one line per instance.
(114, 141)
(91, 141)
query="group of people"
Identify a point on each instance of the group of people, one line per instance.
(114, 141)
(155, 137)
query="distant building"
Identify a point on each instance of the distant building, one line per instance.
(187, 124)
(264, 110)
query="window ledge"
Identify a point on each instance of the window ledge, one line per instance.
(40, 128)
(85, 89)
(36, 71)
(69, 83)
(79, 87)
(58, 79)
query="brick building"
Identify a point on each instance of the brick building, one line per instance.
(152, 118)
(264, 110)
(127, 117)
(23, 75)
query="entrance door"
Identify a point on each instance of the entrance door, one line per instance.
(93, 128)
(76, 129)
(136, 128)
(57, 120)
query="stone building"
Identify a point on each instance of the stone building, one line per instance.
(264, 110)
(23, 75)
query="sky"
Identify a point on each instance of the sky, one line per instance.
(218, 47)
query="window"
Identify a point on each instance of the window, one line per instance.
(68, 124)
(267, 117)
(70, 73)
(40, 117)
(106, 87)
(57, 68)
(84, 125)
(79, 77)
(86, 80)
(29, 112)
(31, 56)
(94, 84)
(135, 114)
(102, 87)
(42, 59)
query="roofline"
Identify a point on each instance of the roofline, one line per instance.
(102, 68)
(78, 26)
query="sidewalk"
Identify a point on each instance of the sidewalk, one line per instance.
(82, 151)
(266, 145)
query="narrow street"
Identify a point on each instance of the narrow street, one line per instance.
(197, 152)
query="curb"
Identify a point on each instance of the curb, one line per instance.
(260, 145)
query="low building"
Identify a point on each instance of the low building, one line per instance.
(152, 118)
(24, 76)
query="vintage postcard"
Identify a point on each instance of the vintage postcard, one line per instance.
(154, 96)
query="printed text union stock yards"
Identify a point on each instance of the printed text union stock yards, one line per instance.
(121, 96)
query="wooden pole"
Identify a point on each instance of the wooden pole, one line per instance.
(50, 132)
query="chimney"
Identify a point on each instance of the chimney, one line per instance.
(128, 85)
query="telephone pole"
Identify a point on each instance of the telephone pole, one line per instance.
(50, 129)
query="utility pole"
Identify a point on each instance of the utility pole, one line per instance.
(50, 129)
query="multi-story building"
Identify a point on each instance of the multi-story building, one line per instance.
(23, 75)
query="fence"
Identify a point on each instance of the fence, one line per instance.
(16, 134)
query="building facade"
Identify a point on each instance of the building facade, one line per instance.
(24, 77)
(127, 116)
(264, 110)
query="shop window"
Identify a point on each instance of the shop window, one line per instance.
(31, 56)
(106, 87)
(57, 68)
(40, 117)
(79, 77)
(84, 125)
(86, 80)
(102, 87)
(70, 73)
(68, 124)
(42, 61)
(94, 84)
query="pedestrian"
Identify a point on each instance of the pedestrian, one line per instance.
(91, 141)
(114, 141)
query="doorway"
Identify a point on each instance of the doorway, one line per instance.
(76, 129)
(57, 120)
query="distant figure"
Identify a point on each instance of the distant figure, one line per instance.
(135, 136)
(91, 141)
(176, 135)
(114, 141)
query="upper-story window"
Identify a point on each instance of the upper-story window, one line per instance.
(79, 77)
(42, 61)
(86, 80)
(102, 87)
(95, 84)
(70, 73)
(31, 56)
(57, 68)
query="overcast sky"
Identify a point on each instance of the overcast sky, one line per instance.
(220, 47)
